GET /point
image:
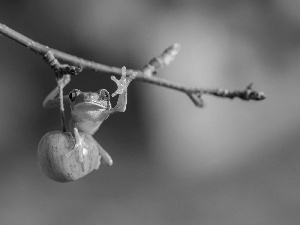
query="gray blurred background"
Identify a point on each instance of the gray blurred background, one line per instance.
(233, 162)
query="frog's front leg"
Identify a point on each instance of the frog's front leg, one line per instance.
(122, 90)
(52, 98)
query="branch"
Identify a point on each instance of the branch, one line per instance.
(167, 56)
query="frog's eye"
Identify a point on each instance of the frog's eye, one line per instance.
(73, 94)
(104, 94)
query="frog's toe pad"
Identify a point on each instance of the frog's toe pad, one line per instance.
(98, 162)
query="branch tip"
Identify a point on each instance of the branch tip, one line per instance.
(164, 59)
(196, 97)
(249, 86)
(247, 94)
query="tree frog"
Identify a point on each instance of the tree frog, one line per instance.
(67, 156)
(90, 109)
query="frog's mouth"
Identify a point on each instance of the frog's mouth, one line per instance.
(105, 104)
(95, 105)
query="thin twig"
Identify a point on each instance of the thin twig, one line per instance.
(61, 108)
(164, 59)
(194, 93)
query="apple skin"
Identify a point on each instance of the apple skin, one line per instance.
(60, 167)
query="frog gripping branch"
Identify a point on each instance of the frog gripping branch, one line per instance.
(67, 156)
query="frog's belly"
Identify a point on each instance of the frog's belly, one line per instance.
(89, 127)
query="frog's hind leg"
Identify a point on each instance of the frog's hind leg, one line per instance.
(78, 147)
(104, 156)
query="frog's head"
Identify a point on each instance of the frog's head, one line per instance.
(89, 101)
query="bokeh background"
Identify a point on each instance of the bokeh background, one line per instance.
(233, 162)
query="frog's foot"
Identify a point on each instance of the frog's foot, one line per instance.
(98, 162)
(78, 148)
(123, 82)
(104, 156)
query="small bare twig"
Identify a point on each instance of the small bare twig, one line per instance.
(246, 94)
(164, 59)
(61, 108)
(195, 94)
